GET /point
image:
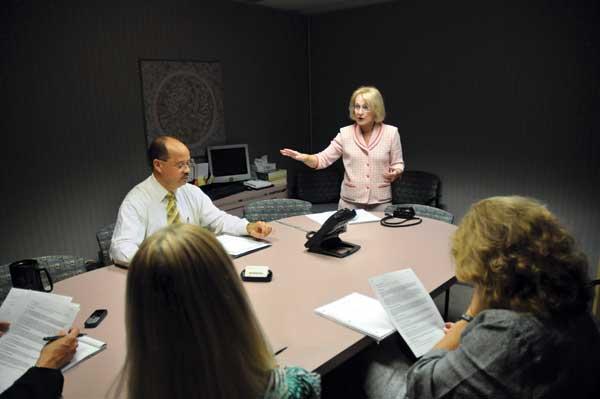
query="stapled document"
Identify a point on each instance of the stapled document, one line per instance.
(410, 308)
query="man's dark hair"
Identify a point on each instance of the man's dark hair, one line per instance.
(158, 150)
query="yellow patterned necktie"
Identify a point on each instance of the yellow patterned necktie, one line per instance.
(172, 212)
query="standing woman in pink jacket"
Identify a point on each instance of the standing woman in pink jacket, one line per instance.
(370, 150)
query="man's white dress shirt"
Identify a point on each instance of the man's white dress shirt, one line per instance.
(144, 211)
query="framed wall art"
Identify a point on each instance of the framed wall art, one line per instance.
(183, 99)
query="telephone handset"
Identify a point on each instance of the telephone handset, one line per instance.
(326, 240)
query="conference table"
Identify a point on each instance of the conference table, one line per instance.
(302, 281)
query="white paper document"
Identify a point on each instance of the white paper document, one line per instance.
(362, 216)
(360, 313)
(32, 316)
(411, 309)
(238, 246)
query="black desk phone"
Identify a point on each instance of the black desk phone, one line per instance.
(326, 240)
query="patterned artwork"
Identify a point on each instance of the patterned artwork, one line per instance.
(184, 99)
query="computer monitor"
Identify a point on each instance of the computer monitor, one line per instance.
(229, 163)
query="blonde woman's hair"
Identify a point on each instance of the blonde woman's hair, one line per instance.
(190, 329)
(373, 99)
(516, 251)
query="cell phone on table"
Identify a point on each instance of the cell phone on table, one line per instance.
(95, 318)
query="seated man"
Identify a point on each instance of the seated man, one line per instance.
(165, 198)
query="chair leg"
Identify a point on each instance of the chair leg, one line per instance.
(447, 304)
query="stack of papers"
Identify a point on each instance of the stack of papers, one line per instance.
(34, 315)
(237, 246)
(360, 313)
(404, 305)
(362, 216)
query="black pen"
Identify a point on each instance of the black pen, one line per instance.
(280, 350)
(55, 337)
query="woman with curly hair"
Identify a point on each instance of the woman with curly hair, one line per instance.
(527, 332)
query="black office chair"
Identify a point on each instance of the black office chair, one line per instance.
(319, 187)
(417, 187)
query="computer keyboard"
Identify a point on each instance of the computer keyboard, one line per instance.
(222, 190)
(257, 184)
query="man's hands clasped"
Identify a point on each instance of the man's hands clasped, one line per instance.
(259, 229)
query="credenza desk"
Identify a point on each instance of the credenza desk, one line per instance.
(302, 281)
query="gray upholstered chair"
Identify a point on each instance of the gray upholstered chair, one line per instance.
(103, 236)
(273, 209)
(417, 187)
(425, 211)
(60, 267)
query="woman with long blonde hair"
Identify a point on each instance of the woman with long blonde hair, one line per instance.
(190, 329)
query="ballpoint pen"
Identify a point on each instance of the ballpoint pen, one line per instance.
(280, 350)
(55, 337)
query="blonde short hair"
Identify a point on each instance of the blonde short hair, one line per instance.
(190, 328)
(373, 99)
(522, 259)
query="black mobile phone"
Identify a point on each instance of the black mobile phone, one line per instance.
(95, 318)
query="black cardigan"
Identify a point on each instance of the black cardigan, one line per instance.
(36, 383)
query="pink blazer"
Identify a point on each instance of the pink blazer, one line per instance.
(364, 165)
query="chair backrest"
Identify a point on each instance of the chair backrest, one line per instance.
(417, 187)
(104, 236)
(273, 209)
(319, 186)
(425, 211)
(596, 287)
(60, 267)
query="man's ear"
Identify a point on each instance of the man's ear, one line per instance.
(157, 165)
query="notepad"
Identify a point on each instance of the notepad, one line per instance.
(87, 348)
(237, 246)
(360, 313)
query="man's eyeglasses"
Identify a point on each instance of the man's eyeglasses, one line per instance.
(357, 107)
(181, 165)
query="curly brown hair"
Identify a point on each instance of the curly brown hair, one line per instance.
(522, 259)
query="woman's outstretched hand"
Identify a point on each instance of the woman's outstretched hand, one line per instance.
(298, 156)
(309, 160)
